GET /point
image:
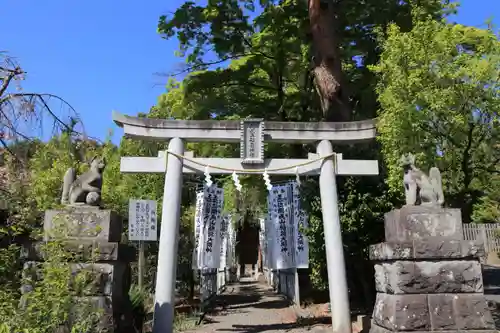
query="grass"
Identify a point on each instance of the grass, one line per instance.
(185, 310)
(184, 322)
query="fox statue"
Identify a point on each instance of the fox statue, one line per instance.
(419, 187)
(86, 188)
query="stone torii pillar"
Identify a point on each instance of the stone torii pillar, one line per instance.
(251, 134)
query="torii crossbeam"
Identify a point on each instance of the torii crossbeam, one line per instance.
(251, 133)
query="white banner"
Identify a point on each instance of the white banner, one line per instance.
(270, 232)
(300, 221)
(272, 241)
(290, 230)
(262, 240)
(198, 226)
(212, 217)
(223, 241)
(268, 243)
(287, 245)
(283, 249)
(142, 220)
(231, 243)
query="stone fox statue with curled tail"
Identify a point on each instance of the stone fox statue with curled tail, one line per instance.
(420, 186)
(86, 188)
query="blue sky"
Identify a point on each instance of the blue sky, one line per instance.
(104, 55)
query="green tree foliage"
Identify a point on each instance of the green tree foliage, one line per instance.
(271, 41)
(255, 59)
(439, 96)
(52, 293)
(487, 209)
(33, 183)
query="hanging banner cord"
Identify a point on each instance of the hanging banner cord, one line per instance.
(252, 170)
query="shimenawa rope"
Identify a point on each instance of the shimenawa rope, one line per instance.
(251, 170)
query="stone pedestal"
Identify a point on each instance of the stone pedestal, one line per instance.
(427, 277)
(93, 234)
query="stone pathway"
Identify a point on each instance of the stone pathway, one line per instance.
(252, 307)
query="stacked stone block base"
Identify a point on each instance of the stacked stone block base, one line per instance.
(93, 235)
(427, 277)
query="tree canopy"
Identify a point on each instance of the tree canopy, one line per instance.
(439, 94)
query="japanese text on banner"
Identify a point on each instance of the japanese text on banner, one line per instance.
(198, 227)
(300, 222)
(210, 257)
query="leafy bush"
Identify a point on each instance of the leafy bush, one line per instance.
(51, 295)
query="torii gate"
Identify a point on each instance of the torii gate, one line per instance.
(251, 133)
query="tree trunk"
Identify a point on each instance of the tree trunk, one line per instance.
(327, 61)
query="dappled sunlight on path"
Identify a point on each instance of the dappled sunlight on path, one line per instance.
(252, 307)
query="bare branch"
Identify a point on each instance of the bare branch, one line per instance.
(24, 115)
(8, 78)
(56, 118)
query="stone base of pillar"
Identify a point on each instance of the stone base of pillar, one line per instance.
(93, 236)
(427, 277)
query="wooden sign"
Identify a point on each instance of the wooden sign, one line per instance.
(252, 141)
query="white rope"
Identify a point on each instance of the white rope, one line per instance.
(294, 166)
